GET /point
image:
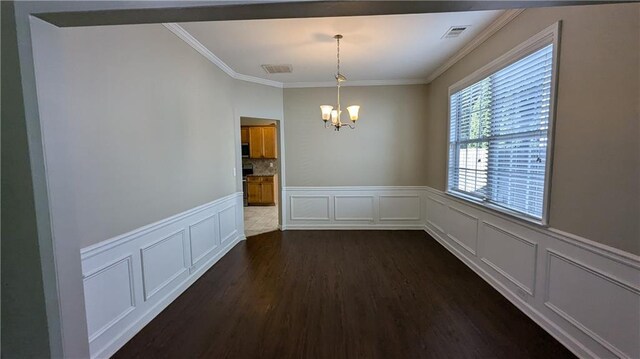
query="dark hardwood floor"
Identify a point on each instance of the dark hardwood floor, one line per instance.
(341, 294)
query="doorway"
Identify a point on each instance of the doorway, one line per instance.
(261, 174)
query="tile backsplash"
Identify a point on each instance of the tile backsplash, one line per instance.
(261, 167)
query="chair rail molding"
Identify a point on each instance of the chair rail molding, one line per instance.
(583, 293)
(356, 207)
(131, 278)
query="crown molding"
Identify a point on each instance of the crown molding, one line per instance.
(185, 36)
(498, 24)
(355, 83)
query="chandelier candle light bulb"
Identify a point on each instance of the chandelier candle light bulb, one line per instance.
(329, 112)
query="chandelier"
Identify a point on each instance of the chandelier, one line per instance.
(328, 111)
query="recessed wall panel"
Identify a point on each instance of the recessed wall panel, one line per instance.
(399, 208)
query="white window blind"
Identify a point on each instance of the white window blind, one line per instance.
(499, 128)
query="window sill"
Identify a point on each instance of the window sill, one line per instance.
(486, 206)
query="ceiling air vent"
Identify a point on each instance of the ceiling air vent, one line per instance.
(277, 69)
(455, 31)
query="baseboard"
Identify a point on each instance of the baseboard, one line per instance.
(160, 305)
(368, 207)
(561, 281)
(583, 293)
(130, 279)
(565, 284)
(571, 343)
(351, 226)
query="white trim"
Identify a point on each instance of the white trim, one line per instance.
(618, 255)
(624, 257)
(132, 297)
(409, 214)
(364, 219)
(353, 188)
(609, 278)
(95, 249)
(525, 277)
(134, 247)
(117, 342)
(148, 293)
(577, 348)
(549, 35)
(530, 289)
(353, 226)
(485, 34)
(184, 35)
(195, 261)
(473, 251)
(415, 218)
(498, 24)
(291, 198)
(356, 83)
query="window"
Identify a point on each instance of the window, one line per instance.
(500, 130)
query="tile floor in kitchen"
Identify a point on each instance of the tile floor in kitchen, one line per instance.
(260, 219)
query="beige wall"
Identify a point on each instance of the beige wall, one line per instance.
(386, 149)
(596, 181)
(137, 127)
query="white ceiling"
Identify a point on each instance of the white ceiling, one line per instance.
(374, 48)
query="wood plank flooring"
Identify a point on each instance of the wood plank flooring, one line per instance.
(341, 294)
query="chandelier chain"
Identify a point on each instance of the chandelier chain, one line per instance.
(338, 56)
(338, 78)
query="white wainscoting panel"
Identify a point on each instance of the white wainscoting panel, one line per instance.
(228, 224)
(463, 229)
(204, 237)
(109, 295)
(309, 208)
(354, 207)
(583, 293)
(510, 255)
(436, 214)
(603, 314)
(163, 262)
(400, 207)
(129, 279)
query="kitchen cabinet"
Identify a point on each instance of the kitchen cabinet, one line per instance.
(262, 141)
(261, 190)
(256, 142)
(269, 142)
(244, 135)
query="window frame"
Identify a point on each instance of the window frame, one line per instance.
(550, 35)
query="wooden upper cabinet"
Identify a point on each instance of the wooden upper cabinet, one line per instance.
(256, 142)
(244, 135)
(262, 141)
(270, 147)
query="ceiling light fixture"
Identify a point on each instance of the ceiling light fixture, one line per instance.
(328, 112)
